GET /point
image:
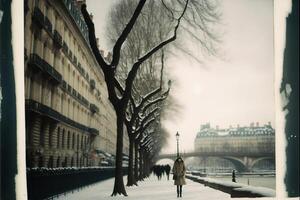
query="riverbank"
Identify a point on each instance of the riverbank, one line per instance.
(232, 188)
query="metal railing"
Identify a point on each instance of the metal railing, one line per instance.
(57, 39)
(93, 84)
(94, 108)
(46, 68)
(53, 114)
(38, 17)
(45, 183)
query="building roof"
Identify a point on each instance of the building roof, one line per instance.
(207, 131)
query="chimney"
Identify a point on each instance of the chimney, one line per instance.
(269, 123)
(257, 124)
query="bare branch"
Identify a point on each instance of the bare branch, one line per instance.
(161, 98)
(125, 33)
(133, 71)
(92, 38)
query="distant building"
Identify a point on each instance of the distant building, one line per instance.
(254, 138)
(68, 115)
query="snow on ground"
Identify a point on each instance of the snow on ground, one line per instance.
(150, 189)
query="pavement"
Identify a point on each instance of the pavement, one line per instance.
(149, 189)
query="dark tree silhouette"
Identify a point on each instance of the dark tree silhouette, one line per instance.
(109, 69)
(197, 14)
(136, 125)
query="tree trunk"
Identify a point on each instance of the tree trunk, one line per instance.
(136, 161)
(119, 187)
(141, 164)
(146, 166)
(130, 177)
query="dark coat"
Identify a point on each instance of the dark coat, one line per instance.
(179, 172)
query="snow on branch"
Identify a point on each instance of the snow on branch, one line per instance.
(119, 86)
(161, 98)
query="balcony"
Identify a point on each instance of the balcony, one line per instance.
(48, 25)
(46, 111)
(74, 92)
(41, 65)
(38, 17)
(57, 39)
(65, 48)
(92, 84)
(70, 54)
(93, 131)
(94, 108)
(42, 110)
(85, 102)
(64, 85)
(75, 60)
(69, 89)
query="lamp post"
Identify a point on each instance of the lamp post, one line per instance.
(177, 138)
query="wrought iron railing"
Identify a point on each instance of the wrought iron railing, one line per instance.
(93, 84)
(94, 108)
(39, 63)
(44, 110)
(57, 39)
(65, 48)
(48, 25)
(38, 17)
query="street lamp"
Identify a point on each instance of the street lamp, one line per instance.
(177, 138)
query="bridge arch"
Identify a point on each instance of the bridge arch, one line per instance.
(238, 163)
(262, 159)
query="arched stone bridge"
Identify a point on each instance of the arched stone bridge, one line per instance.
(242, 161)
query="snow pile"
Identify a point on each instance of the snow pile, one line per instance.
(235, 189)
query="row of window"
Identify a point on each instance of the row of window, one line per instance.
(67, 37)
(79, 83)
(68, 140)
(237, 149)
(62, 161)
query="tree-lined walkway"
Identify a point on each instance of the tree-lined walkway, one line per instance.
(151, 188)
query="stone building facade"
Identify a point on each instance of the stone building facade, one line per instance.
(250, 139)
(68, 114)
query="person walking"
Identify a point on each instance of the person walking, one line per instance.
(233, 176)
(179, 175)
(167, 169)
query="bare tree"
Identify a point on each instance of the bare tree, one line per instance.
(120, 97)
(138, 121)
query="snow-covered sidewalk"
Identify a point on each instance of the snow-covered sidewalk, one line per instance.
(150, 189)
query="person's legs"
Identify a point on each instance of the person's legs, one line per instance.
(180, 190)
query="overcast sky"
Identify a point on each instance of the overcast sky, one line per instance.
(236, 90)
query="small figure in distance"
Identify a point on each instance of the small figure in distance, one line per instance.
(233, 176)
(168, 169)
